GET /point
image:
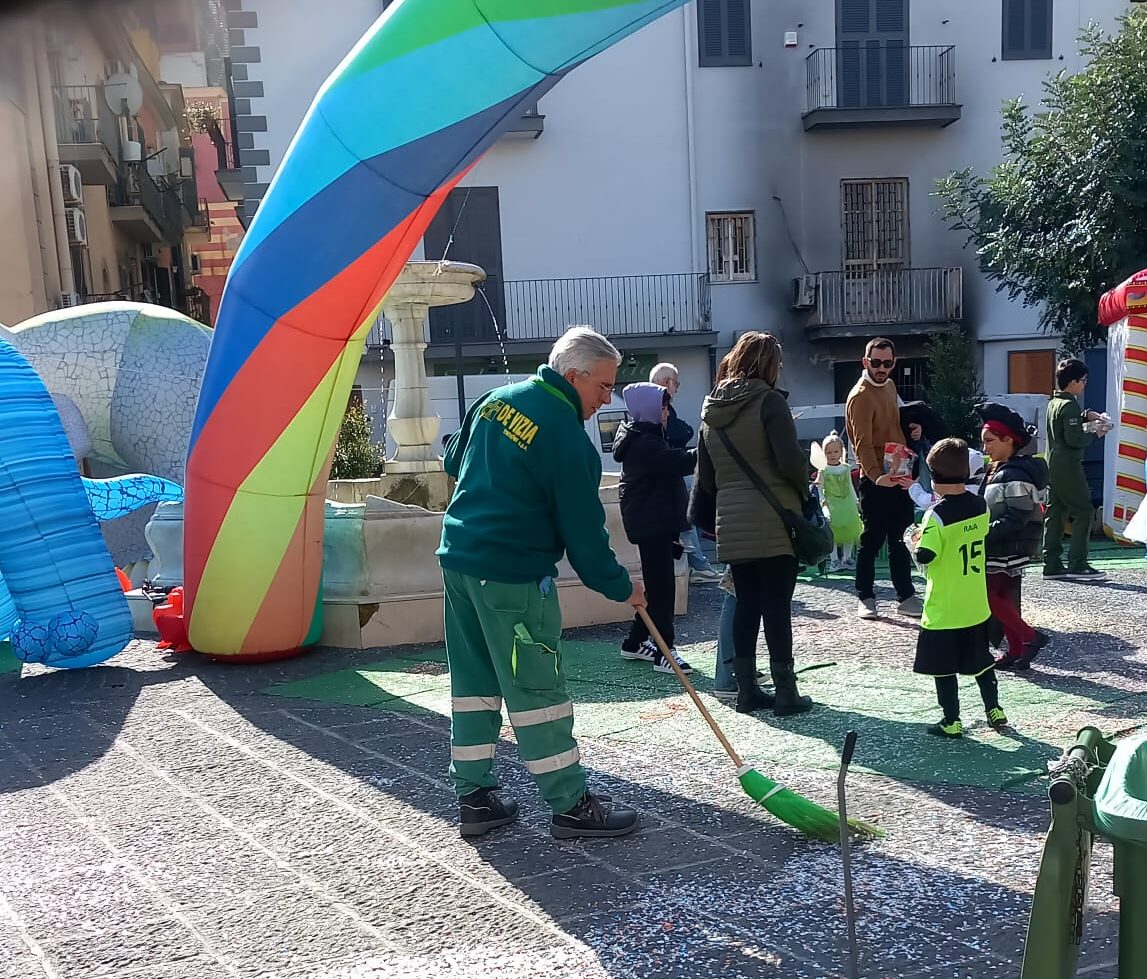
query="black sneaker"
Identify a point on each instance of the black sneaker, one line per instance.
(1086, 573)
(1059, 571)
(481, 811)
(1032, 649)
(1010, 662)
(594, 815)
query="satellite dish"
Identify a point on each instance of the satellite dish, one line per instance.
(121, 88)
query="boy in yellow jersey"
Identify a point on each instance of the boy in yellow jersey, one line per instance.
(949, 546)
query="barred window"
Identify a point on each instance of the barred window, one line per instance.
(874, 219)
(732, 247)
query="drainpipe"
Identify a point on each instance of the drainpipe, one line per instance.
(41, 196)
(688, 36)
(52, 154)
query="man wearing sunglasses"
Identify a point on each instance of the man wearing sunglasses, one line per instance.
(872, 417)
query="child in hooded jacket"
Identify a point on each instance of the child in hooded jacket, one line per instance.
(653, 504)
(1013, 488)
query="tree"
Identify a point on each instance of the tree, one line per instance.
(953, 388)
(356, 455)
(1064, 217)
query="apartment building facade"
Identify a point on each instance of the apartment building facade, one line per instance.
(732, 166)
(97, 179)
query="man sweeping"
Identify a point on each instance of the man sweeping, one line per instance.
(528, 479)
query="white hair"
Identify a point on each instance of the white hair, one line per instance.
(662, 373)
(582, 348)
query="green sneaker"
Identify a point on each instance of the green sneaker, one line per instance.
(948, 729)
(997, 718)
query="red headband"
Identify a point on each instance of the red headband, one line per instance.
(1000, 430)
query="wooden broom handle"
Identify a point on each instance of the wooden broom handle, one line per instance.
(672, 660)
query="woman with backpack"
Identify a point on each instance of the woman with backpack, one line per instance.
(748, 438)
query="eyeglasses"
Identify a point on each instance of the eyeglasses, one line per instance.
(606, 388)
(878, 363)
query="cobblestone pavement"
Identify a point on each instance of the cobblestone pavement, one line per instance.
(176, 819)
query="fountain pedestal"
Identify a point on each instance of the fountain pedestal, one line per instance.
(414, 474)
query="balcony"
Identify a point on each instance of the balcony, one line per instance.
(143, 210)
(87, 132)
(528, 125)
(881, 84)
(538, 311)
(896, 302)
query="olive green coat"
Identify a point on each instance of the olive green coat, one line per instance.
(759, 423)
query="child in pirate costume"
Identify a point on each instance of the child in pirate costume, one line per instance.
(1013, 488)
(949, 546)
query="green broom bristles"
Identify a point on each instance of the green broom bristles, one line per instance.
(802, 814)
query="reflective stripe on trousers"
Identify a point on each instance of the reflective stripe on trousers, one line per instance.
(542, 715)
(554, 763)
(465, 705)
(472, 752)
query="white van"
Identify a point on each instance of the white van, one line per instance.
(601, 428)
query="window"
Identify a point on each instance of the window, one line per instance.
(874, 220)
(196, 264)
(732, 247)
(1027, 30)
(723, 33)
(1031, 371)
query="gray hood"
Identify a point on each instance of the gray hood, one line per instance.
(729, 399)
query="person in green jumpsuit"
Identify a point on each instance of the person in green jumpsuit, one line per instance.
(528, 478)
(1069, 497)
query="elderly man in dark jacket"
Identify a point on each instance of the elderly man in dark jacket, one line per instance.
(679, 433)
(653, 503)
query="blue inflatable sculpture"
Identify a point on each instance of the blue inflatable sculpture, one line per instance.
(61, 603)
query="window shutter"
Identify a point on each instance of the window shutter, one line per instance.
(712, 33)
(890, 16)
(849, 74)
(737, 28)
(854, 17)
(1014, 25)
(723, 31)
(1039, 27)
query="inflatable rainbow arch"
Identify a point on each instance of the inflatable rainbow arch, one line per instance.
(423, 94)
(1124, 311)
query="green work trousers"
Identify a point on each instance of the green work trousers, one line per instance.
(1068, 498)
(503, 641)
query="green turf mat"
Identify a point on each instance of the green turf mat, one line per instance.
(8, 662)
(628, 703)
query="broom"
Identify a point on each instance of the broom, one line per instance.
(788, 806)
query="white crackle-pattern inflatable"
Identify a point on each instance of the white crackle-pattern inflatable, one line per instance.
(133, 371)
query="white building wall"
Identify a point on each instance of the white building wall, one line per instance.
(640, 143)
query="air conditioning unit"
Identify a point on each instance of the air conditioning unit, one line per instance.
(72, 183)
(69, 299)
(77, 226)
(804, 292)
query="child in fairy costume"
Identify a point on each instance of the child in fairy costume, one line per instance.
(834, 477)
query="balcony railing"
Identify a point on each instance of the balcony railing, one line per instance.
(542, 309)
(83, 116)
(866, 297)
(620, 305)
(163, 205)
(918, 83)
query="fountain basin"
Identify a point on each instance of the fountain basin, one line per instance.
(381, 583)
